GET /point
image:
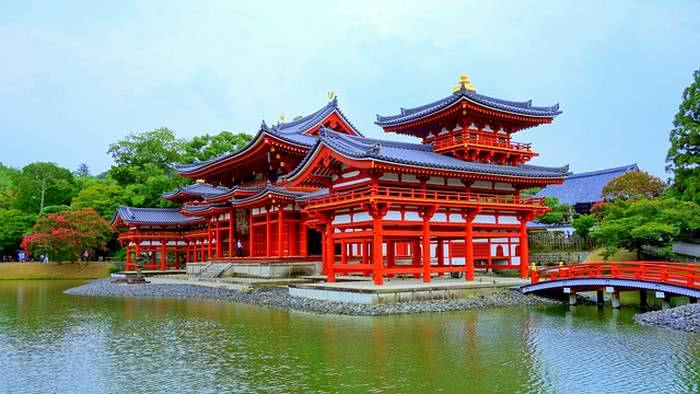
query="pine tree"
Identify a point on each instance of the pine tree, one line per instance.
(684, 154)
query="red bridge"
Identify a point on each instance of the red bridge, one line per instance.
(666, 279)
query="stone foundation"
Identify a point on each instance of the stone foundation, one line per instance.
(260, 269)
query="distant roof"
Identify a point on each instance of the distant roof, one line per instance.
(203, 190)
(292, 132)
(421, 155)
(586, 187)
(152, 216)
(524, 108)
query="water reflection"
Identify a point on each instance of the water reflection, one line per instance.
(50, 342)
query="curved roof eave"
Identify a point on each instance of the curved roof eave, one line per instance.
(414, 114)
(197, 167)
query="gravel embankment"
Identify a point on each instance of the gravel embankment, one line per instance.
(683, 318)
(279, 298)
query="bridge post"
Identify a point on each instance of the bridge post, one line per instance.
(616, 299)
(666, 304)
(600, 296)
(643, 299)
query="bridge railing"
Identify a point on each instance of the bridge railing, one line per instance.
(680, 274)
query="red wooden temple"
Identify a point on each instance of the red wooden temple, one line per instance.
(316, 188)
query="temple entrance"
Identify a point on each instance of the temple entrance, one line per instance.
(313, 242)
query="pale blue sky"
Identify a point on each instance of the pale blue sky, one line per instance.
(76, 76)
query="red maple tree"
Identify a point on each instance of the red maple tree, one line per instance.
(64, 235)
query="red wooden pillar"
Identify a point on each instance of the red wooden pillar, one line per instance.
(469, 245)
(427, 214)
(280, 231)
(219, 246)
(440, 254)
(209, 240)
(303, 251)
(268, 238)
(231, 227)
(343, 252)
(377, 255)
(330, 252)
(251, 236)
(163, 255)
(128, 256)
(524, 247)
(391, 253)
(138, 249)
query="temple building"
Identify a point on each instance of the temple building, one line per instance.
(316, 189)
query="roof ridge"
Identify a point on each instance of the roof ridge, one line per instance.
(628, 167)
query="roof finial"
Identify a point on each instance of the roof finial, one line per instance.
(331, 95)
(282, 117)
(200, 180)
(464, 83)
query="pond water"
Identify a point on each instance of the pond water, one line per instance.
(51, 342)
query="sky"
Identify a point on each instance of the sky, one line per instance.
(77, 76)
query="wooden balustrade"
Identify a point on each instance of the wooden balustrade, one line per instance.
(445, 143)
(402, 193)
(679, 274)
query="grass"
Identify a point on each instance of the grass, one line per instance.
(621, 255)
(21, 271)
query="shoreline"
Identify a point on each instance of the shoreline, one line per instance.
(278, 297)
(680, 318)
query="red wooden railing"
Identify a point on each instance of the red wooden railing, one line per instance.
(417, 193)
(679, 274)
(444, 143)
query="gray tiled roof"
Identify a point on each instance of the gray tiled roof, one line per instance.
(586, 187)
(421, 155)
(517, 107)
(204, 190)
(292, 132)
(268, 189)
(153, 215)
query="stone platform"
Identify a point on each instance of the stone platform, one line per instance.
(402, 290)
(257, 269)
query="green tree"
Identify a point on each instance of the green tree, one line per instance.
(583, 225)
(49, 209)
(559, 213)
(207, 146)
(103, 196)
(42, 184)
(7, 190)
(633, 184)
(14, 224)
(140, 156)
(632, 224)
(683, 158)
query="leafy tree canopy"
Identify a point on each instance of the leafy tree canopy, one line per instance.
(7, 191)
(631, 224)
(64, 235)
(42, 184)
(207, 146)
(559, 213)
(683, 158)
(634, 184)
(139, 156)
(583, 225)
(14, 224)
(102, 196)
